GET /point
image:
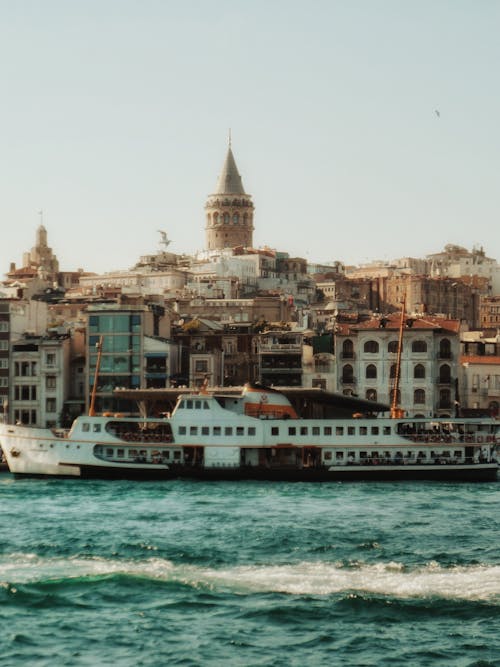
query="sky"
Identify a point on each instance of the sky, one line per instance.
(363, 129)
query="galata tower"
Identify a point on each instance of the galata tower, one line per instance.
(229, 210)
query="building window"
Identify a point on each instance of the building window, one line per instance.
(201, 366)
(371, 394)
(4, 363)
(445, 374)
(445, 399)
(371, 346)
(419, 397)
(347, 374)
(50, 359)
(419, 372)
(371, 371)
(50, 405)
(392, 346)
(419, 346)
(445, 349)
(50, 382)
(4, 327)
(4, 345)
(348, 349)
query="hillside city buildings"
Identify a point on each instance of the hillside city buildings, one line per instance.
(235, 313)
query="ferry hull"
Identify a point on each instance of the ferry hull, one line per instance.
(464, 473)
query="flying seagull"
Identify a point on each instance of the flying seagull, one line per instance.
(437, 112)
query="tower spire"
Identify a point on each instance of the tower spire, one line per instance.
(229, 210)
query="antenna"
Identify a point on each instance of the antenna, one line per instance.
(96, 377)
(396, 411)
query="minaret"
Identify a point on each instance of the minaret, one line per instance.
(229, 211)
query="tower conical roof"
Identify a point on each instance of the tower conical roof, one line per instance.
(229, 182)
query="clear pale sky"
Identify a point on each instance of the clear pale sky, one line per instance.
(115, 115)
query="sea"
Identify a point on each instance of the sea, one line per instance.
(248, 573)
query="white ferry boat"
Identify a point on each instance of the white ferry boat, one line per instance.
(256, 434)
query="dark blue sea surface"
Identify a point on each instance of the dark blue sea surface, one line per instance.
(248, 573)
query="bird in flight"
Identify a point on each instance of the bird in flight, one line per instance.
(437, 112)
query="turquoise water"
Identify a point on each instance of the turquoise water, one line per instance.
(248, 573)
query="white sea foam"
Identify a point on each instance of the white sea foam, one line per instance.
(476, 582)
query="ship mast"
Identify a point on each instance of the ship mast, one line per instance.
(396, 411)
(96, 376)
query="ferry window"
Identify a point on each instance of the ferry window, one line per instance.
(182, 430)
(85, 427)
(133, 452)
(457, 454)
(327, 430)
(292, 430)
(120, 453)
(240, 430)
(374, 430)
(363, 456)
(193, 430)
(363, 430)
(315, 430)
(205, 430)
(328, 456)
(387, 456)
(339, 430)
(109, 451)
(251, 430)
(165, 453)
(274, 430)
(205, 405)
(97, 428)
(177, 455)
(351, 430)
(228, 430)
(189, 404)
(303, 430)
(197, 405)
(351, 456)
(387, 430)
(217, 430)
(181, 405)
(339, 456)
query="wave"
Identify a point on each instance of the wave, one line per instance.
(473, 582)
